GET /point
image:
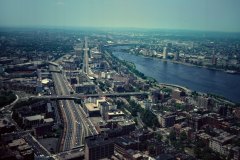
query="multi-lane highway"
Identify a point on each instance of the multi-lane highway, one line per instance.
(83, 96)
(75, 127)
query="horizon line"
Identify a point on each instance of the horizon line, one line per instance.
(110, 28)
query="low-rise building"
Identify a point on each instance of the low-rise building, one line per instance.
(33, 120)
(122, 144)
(19, 149)
(6, 126)
(127, 126)
(178, 94)
(204, 137)
(113, 114)
(49, 111)
(91, 109)
(85, 87)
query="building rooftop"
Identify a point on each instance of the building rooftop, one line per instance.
(5, 122)
(45, 81)
(85, 84)
(124, 141)
(104, 103)
(204, 136)
(224, 137)
(48, 120)
(97, 140)
(49, 107)
(116, 113)
(92, 107)
(137, 155)
(27, 152)
(24, 147)
(126, 123)
(17, 142)
(34, 118)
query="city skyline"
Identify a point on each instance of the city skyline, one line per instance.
(203, 15)
(114, 93)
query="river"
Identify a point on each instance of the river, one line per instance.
(192, 77)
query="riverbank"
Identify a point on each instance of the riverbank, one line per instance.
(196, 79)
(189, 64)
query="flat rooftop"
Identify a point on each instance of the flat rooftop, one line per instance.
(126, 123)
(97, 140)
(224, 137)
(34, 118)
(17, 142)
(116, 113)
(92, 107)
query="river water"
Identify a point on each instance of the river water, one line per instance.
(194, 78)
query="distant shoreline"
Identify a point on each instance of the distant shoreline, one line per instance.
(183, 63)
(219, 97)
(189, 64)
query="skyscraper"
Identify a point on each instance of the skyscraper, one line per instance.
(85, 59)
(214, 58)
(165, 53)
(176, 57)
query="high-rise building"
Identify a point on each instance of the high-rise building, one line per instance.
(85, 59)
(98, 147)
(78, 50)
(214, 58)
(165, 53)
(176, 57)
(167, 120)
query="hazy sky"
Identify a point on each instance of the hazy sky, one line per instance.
(218, 15)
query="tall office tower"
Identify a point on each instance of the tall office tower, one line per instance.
(176, 57)
(78, 51)
(165, 53)
(85, 59)
(214, 58)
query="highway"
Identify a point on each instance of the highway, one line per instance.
(83, 96)
(75, 128)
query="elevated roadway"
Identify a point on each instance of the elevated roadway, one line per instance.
(83, 96)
